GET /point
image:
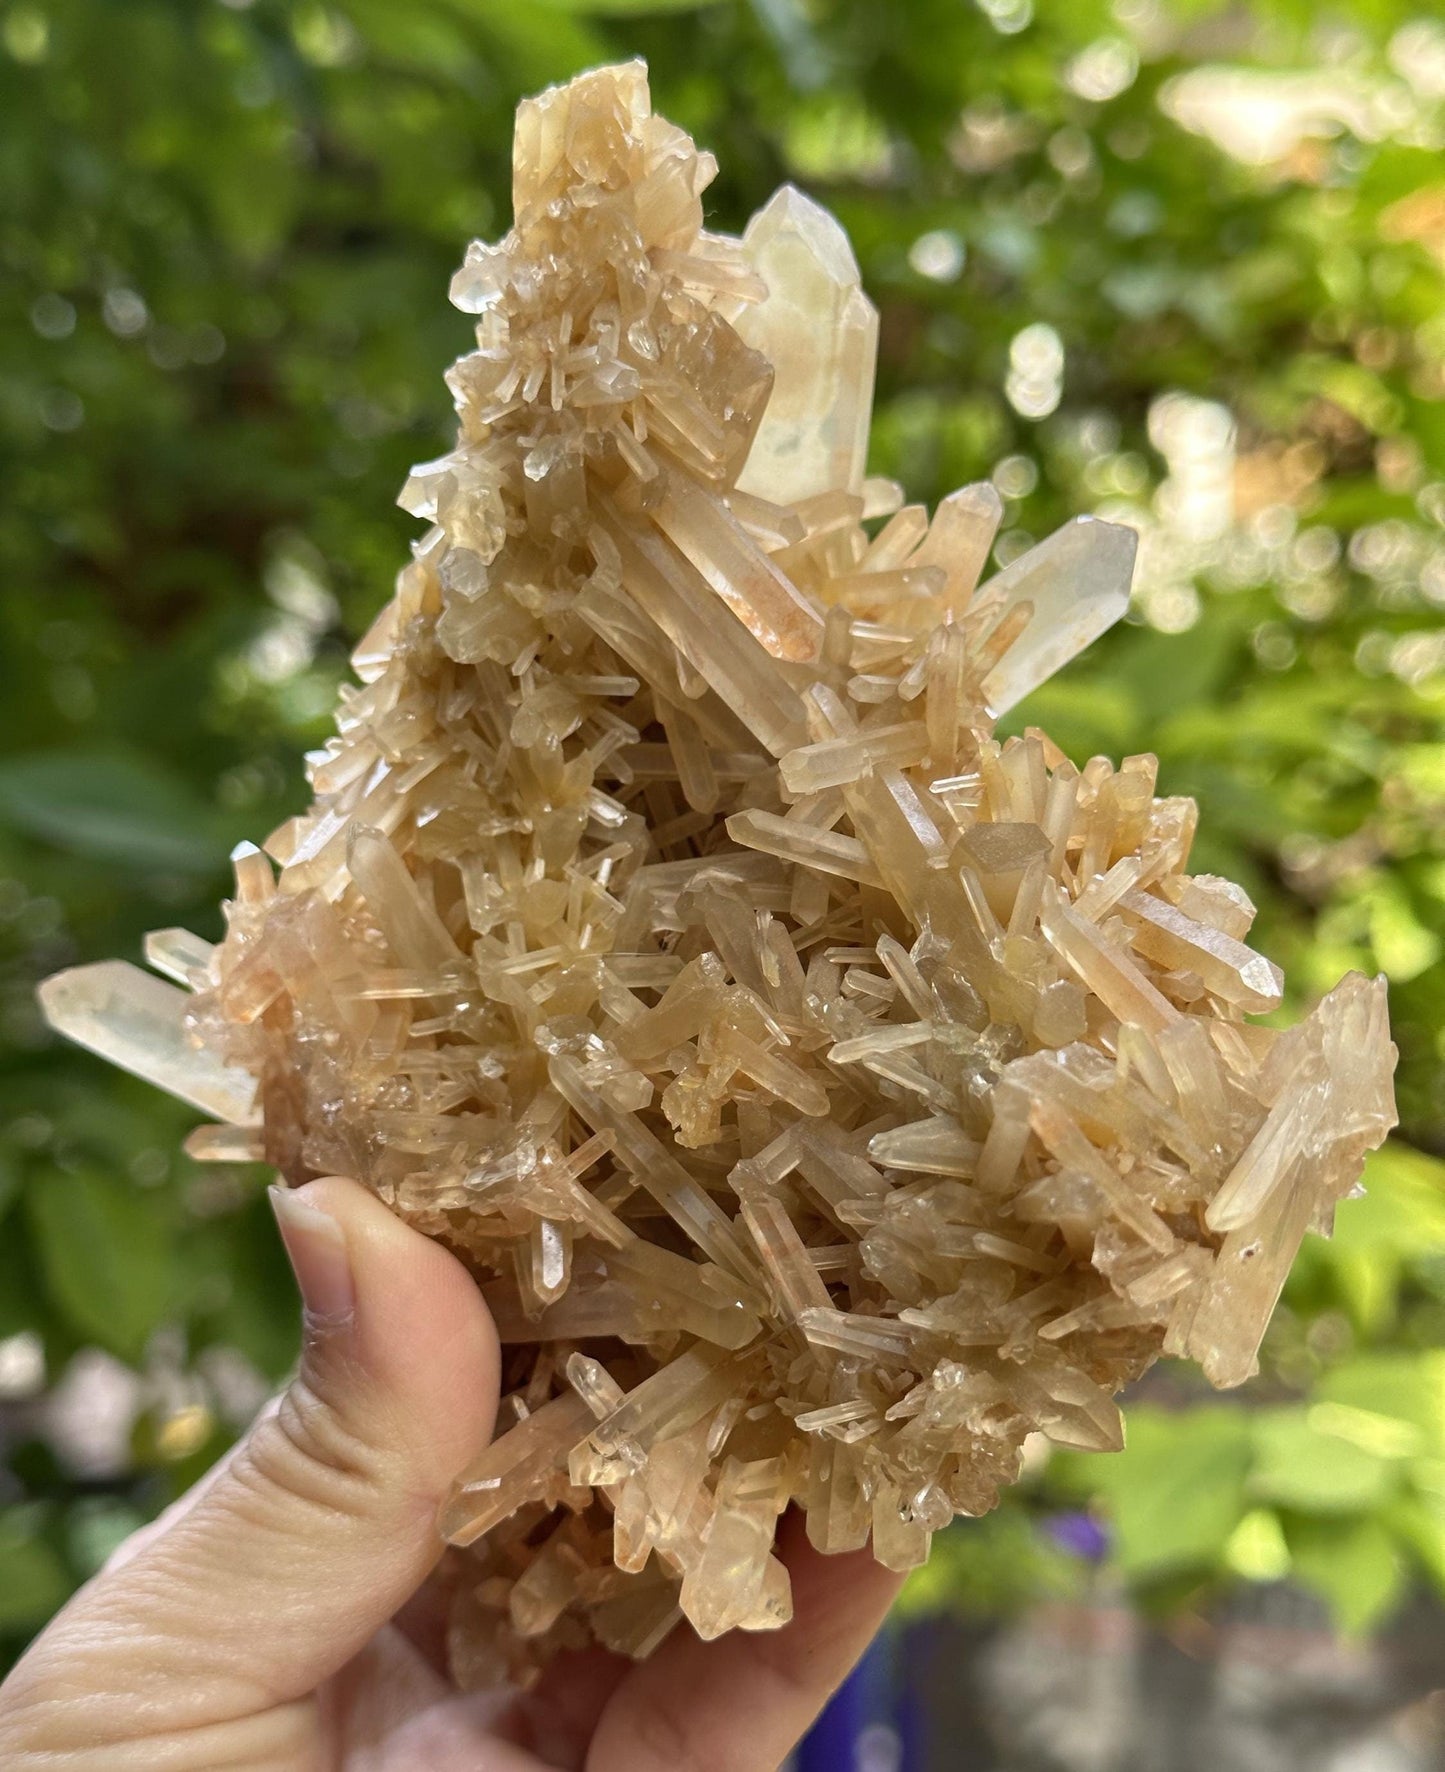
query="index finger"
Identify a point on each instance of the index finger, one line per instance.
(741, 1702)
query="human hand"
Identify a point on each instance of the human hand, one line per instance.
(274, 1620)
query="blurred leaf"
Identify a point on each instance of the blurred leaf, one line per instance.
(1355, 1567)
(9, 1180)
(245, 1297)
(24, 1302)
(1163, 672)
(33, 1580)
(1419, 1522)
(991, 1566)
(1176, 1493)
(624, 8)
(1090, 718)
(105, 1251)
(421, 38)
(1403, 946)
(542, 44)
(1368, 1282)
(1257, 1549)
(109, 808)
(1296, 1465)
(1404, 1387)
(1396, 1225)
(1402, 1207)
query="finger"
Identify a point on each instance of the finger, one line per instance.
(457, 1735)
(741, 1703)
(395, 1713)
(423, 1621)
(324, 1521)
(378, 1694)
(545, 1729)
(556, 1720)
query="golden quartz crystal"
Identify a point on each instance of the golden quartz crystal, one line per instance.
(825, 1094)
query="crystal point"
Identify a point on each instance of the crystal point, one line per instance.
(820, 333)
(1076, 583)
(137, 1022)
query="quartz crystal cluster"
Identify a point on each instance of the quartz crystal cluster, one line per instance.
(825, 1094)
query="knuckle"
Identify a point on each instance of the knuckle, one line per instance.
(317, 1450)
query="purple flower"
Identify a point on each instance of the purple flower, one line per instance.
(1080, 1534)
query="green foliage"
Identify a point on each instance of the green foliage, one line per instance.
(105, 1257)
(109, 808)
(33, 1579)
(991, 1566)
(228, 229)
(1177, 1491)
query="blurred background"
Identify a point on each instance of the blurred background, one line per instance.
(1178, 262)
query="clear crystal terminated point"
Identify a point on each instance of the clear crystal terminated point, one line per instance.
(820, 333)
(125, 1015)
(1077, 580)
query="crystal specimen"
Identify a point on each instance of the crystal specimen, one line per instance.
(824, 1094)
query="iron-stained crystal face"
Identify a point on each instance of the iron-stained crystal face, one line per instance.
(824, 1094)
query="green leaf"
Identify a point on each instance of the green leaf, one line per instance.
(1257, 1548)
(1176, 1493)
(1405, 1388)
(1164, 672)
(1355, 1567)
(9, 1180)
(105, 1251)
(1403, 946)
(624, 8)
(241, 1291)
(1403, 1205)
(110, 808)
(1395, 1226)
(538, 44)
(1419, 1522)
(33, 1580)
(1297, 1465)
(991, 1566)
(22, 1295)
(1368, 1283)
(1091, 718)
(417, 38)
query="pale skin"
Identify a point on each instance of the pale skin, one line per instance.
(277, 1618)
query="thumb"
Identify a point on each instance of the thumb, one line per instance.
(323, 1521)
